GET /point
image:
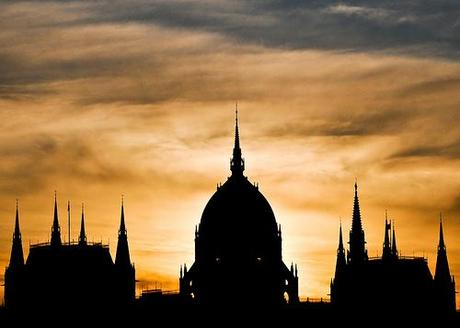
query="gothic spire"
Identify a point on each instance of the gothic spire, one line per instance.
(122, 257)
(441, 234)
(356, 221)
(55, 229)
(394, 249)
(237, 162)
(386, 254)
(442, 272)
(122, 229)
(341, 261)
(82, 237)
(357, 242)
(17, 255)
(340, 248)
(17, 231)
(442, 278)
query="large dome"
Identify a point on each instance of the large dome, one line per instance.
(238, 219)
(238, 247)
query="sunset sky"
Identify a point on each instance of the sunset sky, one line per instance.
(104, 98)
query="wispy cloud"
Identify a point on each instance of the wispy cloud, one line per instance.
(109, 97)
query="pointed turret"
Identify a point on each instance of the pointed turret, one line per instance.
(82, 237)
(237, 162)
(394, 248)
(55, 229)
(17, 255)
(386, 253)
(442, 272)
(341, 260)
(122, 257)
(445, 284)
(358, 253)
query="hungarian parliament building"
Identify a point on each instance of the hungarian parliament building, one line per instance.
(238, 266)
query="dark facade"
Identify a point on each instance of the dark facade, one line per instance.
(61, 276)
(389, 284)
(238, 248)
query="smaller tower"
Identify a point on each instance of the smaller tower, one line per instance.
(444, 282)
(15, 270)
(386, 253)
(341, 260)
(17, 254)
(55, 229)
(337, 283)
(122, 257)
(394, 248)
(125, 270)
(358, 253)
(82, 238)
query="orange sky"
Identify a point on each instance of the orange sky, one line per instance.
(96, 107)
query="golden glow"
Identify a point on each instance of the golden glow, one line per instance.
(101, 110)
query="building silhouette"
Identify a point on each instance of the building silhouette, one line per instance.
(238, 248)
(59, 276)
(238, 265)
(390, 284)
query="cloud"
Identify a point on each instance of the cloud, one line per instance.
(103, 98)
(450, 150)
(415, 27)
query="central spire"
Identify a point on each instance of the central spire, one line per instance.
(237, 162)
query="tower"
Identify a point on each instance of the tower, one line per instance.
(444, 282)
(337, 283)
(55, 229)
(122, 257)
(341, 260)
(358, 253)
(238, 248)
(394, 248)
(17, 255)
(82, 237)
(386, 253)
(125, 270)
(14, 271)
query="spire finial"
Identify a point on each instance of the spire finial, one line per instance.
(237, 162)
(236, 114)
(17, 231)
(122, 219)
(340, 236)
(441, 233)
